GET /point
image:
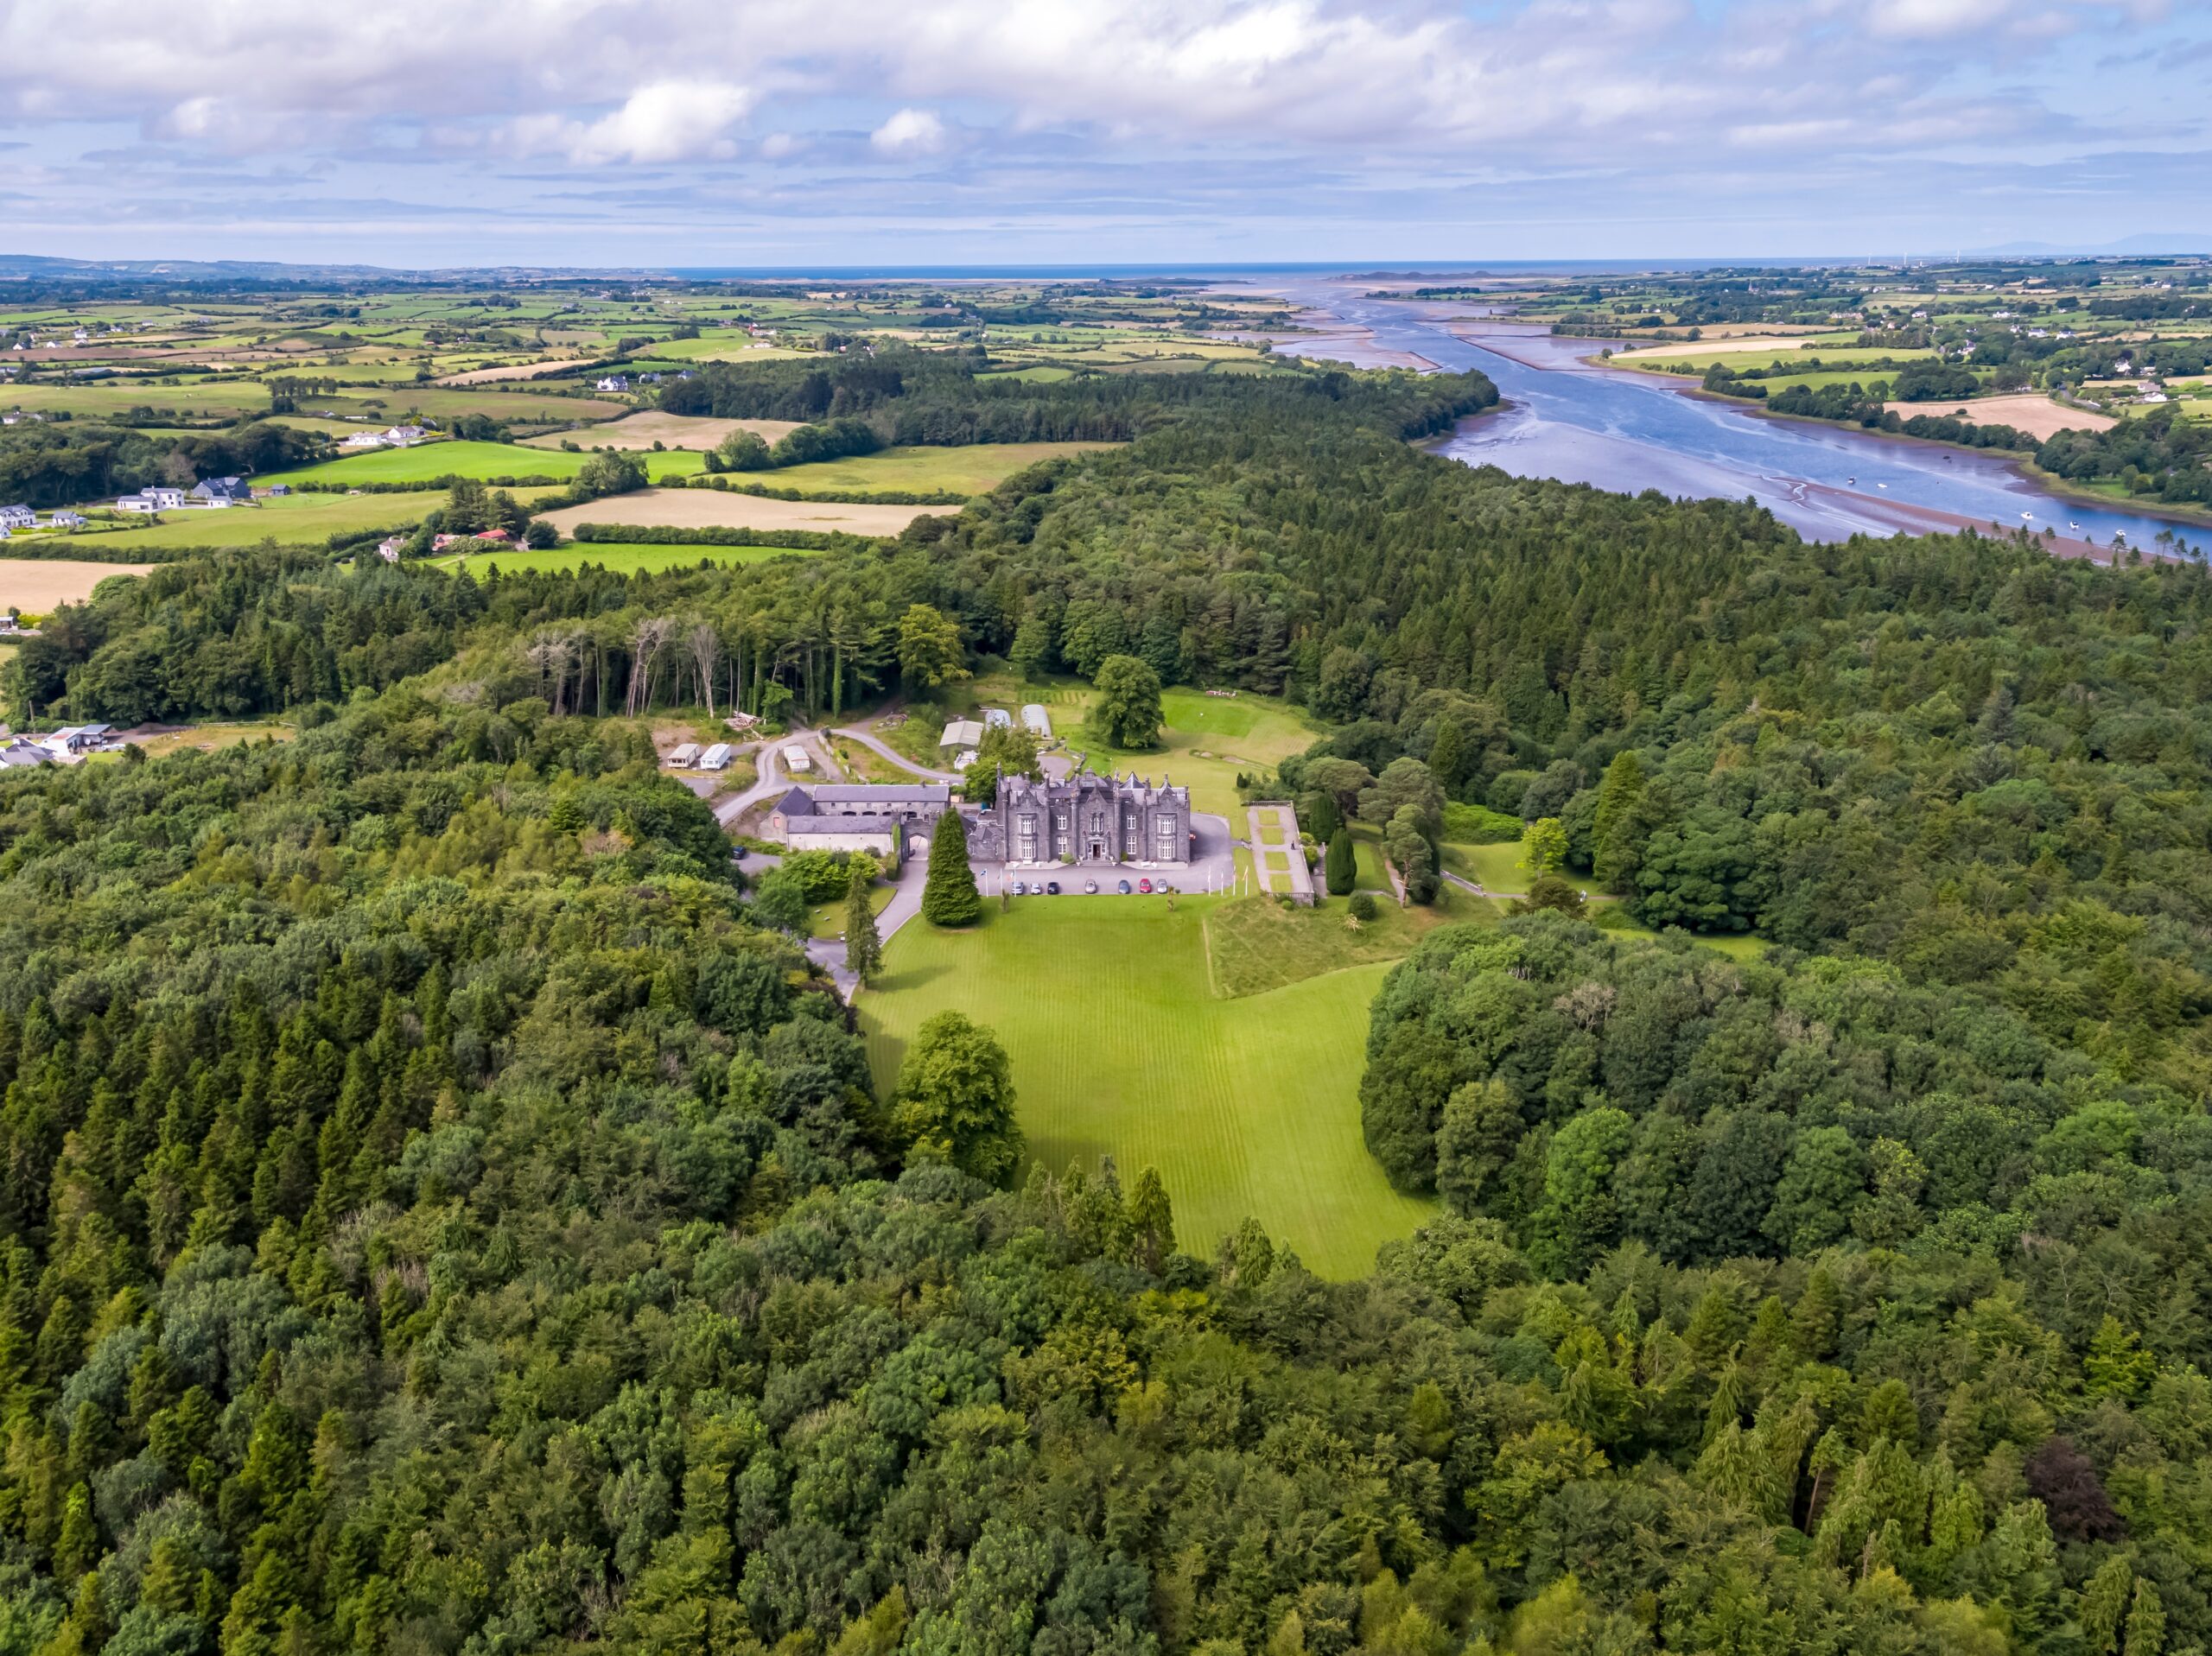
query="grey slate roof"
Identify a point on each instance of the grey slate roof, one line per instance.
(872, 793)
(797, 825)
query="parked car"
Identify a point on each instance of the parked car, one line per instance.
(1124, 888)
(1144, 885)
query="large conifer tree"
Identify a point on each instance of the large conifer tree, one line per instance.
(949, 894)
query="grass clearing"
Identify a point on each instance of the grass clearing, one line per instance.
(207, 738)
(1248, 1106)
(1737, 945)
(627, 558)
(34, 585)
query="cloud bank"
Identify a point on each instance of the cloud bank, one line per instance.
(777, 131)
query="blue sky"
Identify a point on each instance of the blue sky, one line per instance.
(700, 132)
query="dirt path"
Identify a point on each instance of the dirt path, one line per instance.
(882, 749)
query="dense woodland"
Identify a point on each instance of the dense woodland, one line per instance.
(440, 1216)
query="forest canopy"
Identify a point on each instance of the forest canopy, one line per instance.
(440, 1212)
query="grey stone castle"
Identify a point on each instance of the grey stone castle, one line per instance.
(1087, 818)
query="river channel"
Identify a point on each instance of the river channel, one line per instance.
(1623, 431)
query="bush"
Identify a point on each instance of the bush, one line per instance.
(1480, 825)
(1363, 906)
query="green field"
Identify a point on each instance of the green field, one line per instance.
(630, 559)
(971, 469)
(1247, 1108)
(295, 520)
(198, 400)
(426, 461)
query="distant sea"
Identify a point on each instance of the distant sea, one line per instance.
(1365, 270)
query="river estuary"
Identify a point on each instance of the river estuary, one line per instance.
(1624, 431)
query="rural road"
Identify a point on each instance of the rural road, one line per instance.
(829, 953)
(773, 778)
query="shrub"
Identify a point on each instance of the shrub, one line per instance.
(1363, 906)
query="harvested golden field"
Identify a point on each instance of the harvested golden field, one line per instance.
(643, 429)
(718, 508)
(36, 584)
(2028, 411)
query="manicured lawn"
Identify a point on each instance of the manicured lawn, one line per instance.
(426, 461)
(1248, 1106)
(1494, 868)
(629, 559)
(971, 469)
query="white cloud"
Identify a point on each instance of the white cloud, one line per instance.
(909, 132)
(1932, 19)
(666, 121)
(494, 104)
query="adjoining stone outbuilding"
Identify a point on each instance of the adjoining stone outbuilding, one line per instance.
(858, 816)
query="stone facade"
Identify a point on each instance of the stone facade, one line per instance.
(1086, 819)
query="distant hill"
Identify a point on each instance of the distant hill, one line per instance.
(2159, 242)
